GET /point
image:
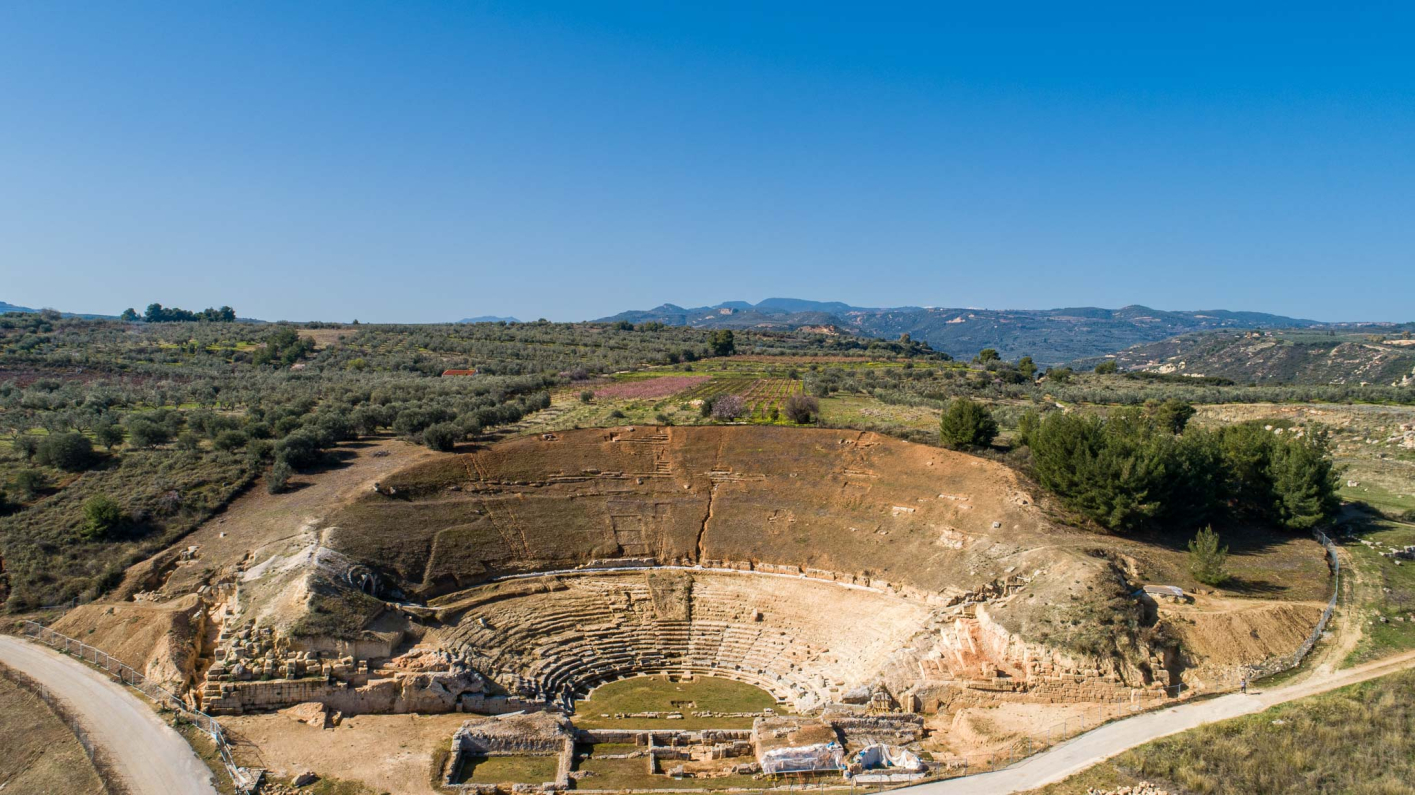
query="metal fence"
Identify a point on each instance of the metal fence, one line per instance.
(1091, 718)
(244, 780)
(97, 755)
(1286, 663)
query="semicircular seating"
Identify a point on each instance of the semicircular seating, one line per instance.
(804, 641)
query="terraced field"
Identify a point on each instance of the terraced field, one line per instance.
(761, 395)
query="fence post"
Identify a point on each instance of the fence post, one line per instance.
(127, 675)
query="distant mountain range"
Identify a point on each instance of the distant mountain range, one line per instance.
(488, 319)
(1338, 354)
(1050, 336)
(8, 308)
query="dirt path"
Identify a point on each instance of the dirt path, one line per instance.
(262, 525)
(1096, 746)
(387, 753)
(1345, 625)
(149, 755)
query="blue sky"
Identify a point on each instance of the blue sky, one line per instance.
(421, 161)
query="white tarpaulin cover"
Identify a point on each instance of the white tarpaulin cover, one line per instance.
(873, 757)
(803, 759)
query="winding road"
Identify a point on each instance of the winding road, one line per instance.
(1098, 745)
(150, 756)
(153, 759)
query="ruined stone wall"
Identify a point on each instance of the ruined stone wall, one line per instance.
(402, 693)
(662, 737)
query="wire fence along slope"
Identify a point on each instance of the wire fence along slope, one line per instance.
(112, 782)
(243, 779)
(1286, 663)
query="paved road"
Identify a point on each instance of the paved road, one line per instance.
(151, 757)
(1100, 744)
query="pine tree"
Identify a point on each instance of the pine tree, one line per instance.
(1206, 559)
(966, 424)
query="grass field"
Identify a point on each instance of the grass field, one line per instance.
(1387, 500)
(1358, 740)
(867, 413)
(40, 754)
(1262, 562)
(672, 393)
(632, 773)
(617, 774)
(1384, 589)
(658, 694)
(508, 770)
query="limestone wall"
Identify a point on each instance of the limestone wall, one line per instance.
(401, 693)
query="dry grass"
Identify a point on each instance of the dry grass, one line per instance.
(40, 753)
(507, 770)
(840, 501)
(1358, 740)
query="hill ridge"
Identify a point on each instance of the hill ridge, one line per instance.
(1049, 336)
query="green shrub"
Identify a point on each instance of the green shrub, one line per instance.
(146, 433)
(368, 419)
(1173, 415)
(722, 342)
(442, 437)
(103, 517)
(109, 435)
(26, 445)
(229, 441)
(71, 452)
(259, 450)
(301, 450)
(278, 481)
(1107, 367)
(29, 483)
(966, 424)
(1027, 426)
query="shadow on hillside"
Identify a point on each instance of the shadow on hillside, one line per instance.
(333, 459)
(1241, 537)
(1254, 587)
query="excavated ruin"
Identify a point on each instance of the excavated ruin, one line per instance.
(823, 566)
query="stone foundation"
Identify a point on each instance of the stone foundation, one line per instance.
(533, 734)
